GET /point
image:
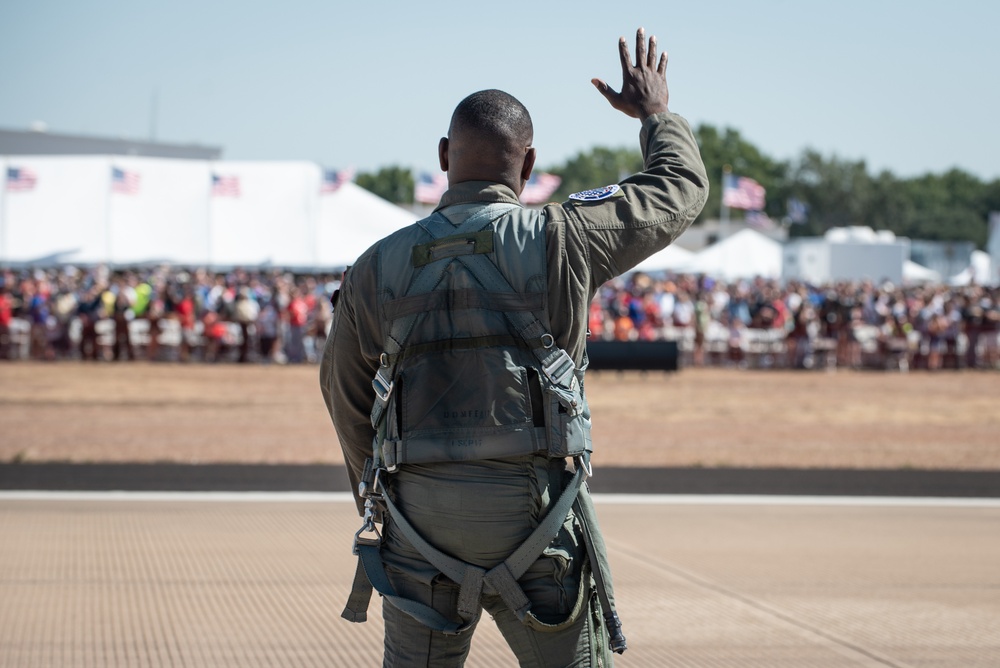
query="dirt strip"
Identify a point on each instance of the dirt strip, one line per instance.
(145, 413)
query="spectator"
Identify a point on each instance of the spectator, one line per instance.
(6, 315)
(246, 311)
(268, 330)
(298, 316)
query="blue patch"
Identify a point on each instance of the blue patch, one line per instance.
(596, 194)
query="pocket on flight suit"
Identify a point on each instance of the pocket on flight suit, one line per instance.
(553, 583)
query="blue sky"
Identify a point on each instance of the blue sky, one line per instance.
(906, 86)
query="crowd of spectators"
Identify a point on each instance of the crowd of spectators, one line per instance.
(164, 314)
(274, 316)
(796, 325)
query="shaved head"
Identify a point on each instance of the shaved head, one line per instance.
(488, 139)
(496, 117)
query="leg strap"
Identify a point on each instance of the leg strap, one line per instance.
(371, 569)
(361, 593)
(473, 581)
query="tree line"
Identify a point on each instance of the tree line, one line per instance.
(953, 206)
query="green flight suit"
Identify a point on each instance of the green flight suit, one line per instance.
(480, 511)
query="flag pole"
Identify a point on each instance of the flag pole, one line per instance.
(108, 174)
(208, 214)
(3, 212)
(724, 215)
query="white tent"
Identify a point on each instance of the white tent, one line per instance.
(57, 210)
(123, 210)
(272, 219)
(917, 272)
(672, 258)
(351, 220)
(980, 271)
(746, 254)
(164, 217)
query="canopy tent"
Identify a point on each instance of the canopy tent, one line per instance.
(54, 208)
(351, 220)
(979, 271)
(132, 210)
(917, 272)
(672, 258)
(746, 254)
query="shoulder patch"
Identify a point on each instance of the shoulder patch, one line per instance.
(597, 193)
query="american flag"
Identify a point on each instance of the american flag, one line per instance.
(333, 179)
(430, 187)
(539, 188)
(124, 181)
(759, 220)
(225, 186)
(798, 211)
(20, 178)
(740, 192)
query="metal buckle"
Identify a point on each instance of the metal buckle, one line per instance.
(583, 461)
(375, 494)
(370, 490)
(382, 386)
(561, 369)
(367, 526)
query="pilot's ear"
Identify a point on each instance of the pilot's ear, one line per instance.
(528, 164)
(443, 154)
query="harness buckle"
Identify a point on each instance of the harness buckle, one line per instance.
(583, 461)
(560, 370)
(367, 526)
(382, 385)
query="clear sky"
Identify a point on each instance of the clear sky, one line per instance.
(909, 86)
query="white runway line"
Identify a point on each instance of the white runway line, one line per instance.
(608, 499)
(790, 500)
(228, 497)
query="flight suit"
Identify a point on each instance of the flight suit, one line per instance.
(480, 511)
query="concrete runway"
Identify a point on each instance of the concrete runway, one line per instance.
(245, 579)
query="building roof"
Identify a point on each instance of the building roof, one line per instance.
(29, 142)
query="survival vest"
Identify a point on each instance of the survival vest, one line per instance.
(470, 369)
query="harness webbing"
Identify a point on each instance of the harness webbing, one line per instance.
(473, 580)
(459, 344)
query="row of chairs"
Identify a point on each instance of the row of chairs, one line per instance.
(766, 348)
(170, 336)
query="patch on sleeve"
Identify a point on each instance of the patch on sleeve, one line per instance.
(596, 194)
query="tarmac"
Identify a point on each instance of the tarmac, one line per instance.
(252, 578)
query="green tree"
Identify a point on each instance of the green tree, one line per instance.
(889, 206)
(392, 183)
(728, 147)
(948, 207)
(838, 192)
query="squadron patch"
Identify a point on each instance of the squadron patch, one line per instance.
(596, 194)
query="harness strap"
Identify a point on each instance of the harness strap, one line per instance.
(369, 556)
(356, 609)
(473, 581)
(457, 344)
(555, 362)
